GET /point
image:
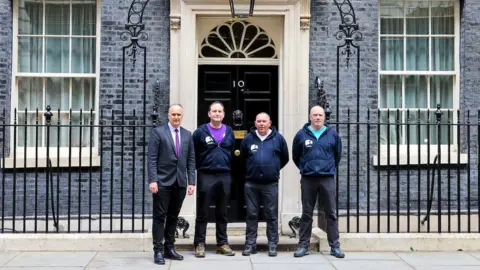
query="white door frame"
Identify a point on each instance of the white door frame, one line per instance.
(293, 84)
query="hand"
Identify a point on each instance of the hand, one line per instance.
(190, 190)
(153, 187)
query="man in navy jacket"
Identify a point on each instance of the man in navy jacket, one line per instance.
(264, 153)
(317, 150)
(214, 143)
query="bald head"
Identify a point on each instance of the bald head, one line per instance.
(317, 117)
(175, 115)
(263, 123)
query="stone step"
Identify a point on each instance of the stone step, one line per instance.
(237, 229)
(237, 243)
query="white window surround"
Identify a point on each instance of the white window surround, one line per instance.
(36, 157)
(293, 62)
(389, 157)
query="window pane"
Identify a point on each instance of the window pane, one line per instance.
(84, 139)
(84, 18)
(32, 135)
(30, 17)
(57, 55)
(418, 133)
(392, 53)
(443, 54)
(83, 94)
(416, 92)
(390, 91)
(56, 130)
(30, 54)
(391, 17)
(417, 17)
(417, 53)
(388, 132)
(441, 91)
(57, 17)
(443, 17)
(57, 93)
(30, 94)
(83, 55)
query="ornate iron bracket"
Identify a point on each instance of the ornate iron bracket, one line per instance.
(182, 225)
(135, 29)
(348, 28)
(294, 225)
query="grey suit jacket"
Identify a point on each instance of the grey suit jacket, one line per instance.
(163, 164)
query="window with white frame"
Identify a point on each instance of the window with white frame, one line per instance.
(418, 68)
(55, 63)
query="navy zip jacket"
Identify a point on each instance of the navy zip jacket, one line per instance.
(317, 157)
(263, 160)
(210, 156)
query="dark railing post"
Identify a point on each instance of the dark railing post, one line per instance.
(48, 121)
(438, 114)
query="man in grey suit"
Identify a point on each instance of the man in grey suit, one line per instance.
(171, 174)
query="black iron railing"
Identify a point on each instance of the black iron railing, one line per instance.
(401, 171)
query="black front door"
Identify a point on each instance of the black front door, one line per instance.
(244, 91)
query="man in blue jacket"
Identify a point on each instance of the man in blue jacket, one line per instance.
(264, 153)
(317, 150)
(214, 143)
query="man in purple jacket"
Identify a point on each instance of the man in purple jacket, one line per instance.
(214, 143)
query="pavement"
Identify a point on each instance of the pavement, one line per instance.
(285, 260)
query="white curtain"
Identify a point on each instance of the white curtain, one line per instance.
(69, 34)
(412, 54)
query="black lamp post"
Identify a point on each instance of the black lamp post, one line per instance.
(236, 13)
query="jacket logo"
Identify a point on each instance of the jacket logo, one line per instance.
(308, 143)
(254, 148)
(209, 140)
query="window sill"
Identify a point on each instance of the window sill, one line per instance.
(63, 162)
(414, 159)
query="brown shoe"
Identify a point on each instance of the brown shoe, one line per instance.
(225, 250)
(200, 251)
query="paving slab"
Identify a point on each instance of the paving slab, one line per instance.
(440, 267)
(475, 254)
(7, 256)
(51, 259)
(371, 265)
(439, 259)
(127, 260)
(210, 264)
(299, 266)
(212, 256)
(287, 258)
(364, 256)
(42, 268)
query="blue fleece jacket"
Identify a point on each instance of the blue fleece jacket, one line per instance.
(317, 157)
(263, 160)
(211, 156)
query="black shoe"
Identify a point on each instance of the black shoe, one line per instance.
(249, 250)
(301, 251)
(337, 252)
(171, 254)
(158, 258)
(272, 251)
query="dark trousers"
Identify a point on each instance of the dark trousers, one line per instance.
(255, 194)
(167, 203)
(325, 187)
(212, 188)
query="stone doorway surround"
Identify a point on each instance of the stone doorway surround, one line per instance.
(293, 84)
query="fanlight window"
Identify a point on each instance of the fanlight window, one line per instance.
(239, 39)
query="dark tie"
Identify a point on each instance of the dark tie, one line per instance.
(177, 143)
